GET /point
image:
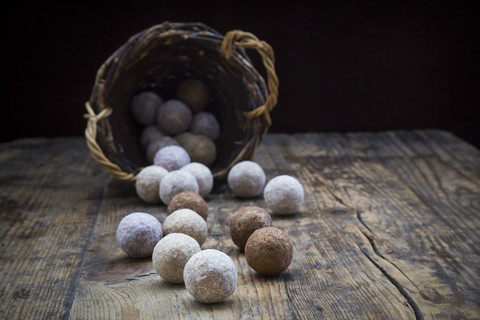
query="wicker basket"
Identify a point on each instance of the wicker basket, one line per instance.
(158, 59)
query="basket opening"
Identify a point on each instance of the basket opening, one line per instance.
(160, 65)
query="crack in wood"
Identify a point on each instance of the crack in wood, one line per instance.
(416, 310)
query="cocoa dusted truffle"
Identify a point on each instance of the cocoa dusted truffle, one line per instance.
(174, 117)
(269, 251)
(194, 93)
(189, 200)
(246, 221)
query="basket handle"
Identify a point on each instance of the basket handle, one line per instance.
(250, 41)
(96, 151)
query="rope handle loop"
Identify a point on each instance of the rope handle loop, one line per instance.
(250, 41)
(96, 151)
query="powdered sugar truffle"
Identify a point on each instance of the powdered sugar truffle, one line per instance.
(188, 222)
(174, 117)
(203, 175)
(171, 254)
(210, 276)
(171, 158)
(246, 179)
(147, 183)
(158, 144)
(138, 233)
(284, 194)
(144, 107)
(149, 134)
(206, 124)
(175, 182)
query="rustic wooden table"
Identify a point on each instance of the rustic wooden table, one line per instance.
(390, 229)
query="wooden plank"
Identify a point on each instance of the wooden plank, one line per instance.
(331, 275)
(418, 204)
(50, 191)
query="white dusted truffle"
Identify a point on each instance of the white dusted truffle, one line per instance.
(171, 254)
(188, 222)
(138, 233)
(210, 276)
(158, 144)
(175, 182)
(171, 158)
(283, 194)
(147, 183)
(174, 117)
(145, 106)
(203, 175)
(206, 124)
(149, 134)
(246, 179)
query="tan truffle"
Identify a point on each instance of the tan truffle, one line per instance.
(199, 148)
(189, 200)
(194, 94)
(188, 222)
(269, 251)
(171, 254)
(245, 221)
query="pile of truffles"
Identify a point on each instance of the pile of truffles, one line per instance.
(182, 122)
(179, 143)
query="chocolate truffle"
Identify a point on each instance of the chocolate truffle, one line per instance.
(145, 106)
(189, 200)
(283, 195)
(206, 124)
(188, 222)
(147, 183)
(269, 251)
(246, 179)
(138, 233)
(171, 158)
(171, 254)
(149, 134)
(210, 276)
(246, 221)
(203, 175)
(174, 117)
(199, 148)
(175, 182)
(194, 93)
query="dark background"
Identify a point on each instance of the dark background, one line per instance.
(343, 66)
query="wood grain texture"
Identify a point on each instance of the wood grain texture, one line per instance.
(389, 230)
(50, 191)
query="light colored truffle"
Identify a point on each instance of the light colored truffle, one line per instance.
(189, 200)
(175, 182)
(269, 251)
(145, 106)
(246, 179)
(171, 158)
(138, 233)
(149, 134)
(203, 175)
(158, 144)
(188, 222)
(147, 183)
(283, 195)
(206, 124)
(246, 221)
(174, 117)
(199, 148)
(210, 276)
(171, 254)
(194, 93)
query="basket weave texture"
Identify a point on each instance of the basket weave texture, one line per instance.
(158, 59)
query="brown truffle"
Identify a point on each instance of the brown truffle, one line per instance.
(199, 148)
(245, 221)
(194, 94)
(269, 251)
(189, 200)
